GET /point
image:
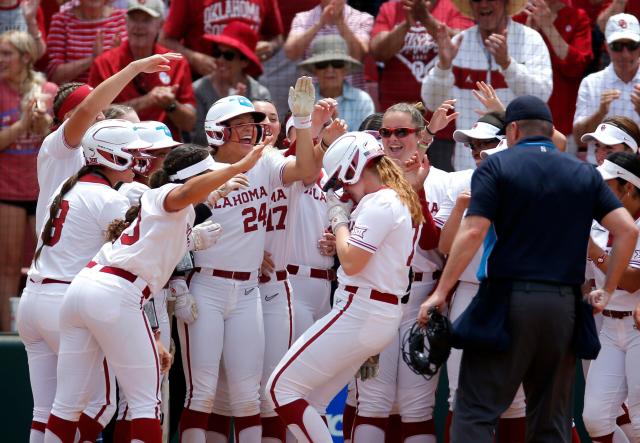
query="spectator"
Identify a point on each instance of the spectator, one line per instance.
(402, 40)
(614, 90)
(331, 17)
(79, 35)
(26, 99)
(25, 16)
(162, 96)
(510, 56)
(188, 21)
(567, 33)
(612, 7)
(615, 134)
(237, 62)
(330, 63)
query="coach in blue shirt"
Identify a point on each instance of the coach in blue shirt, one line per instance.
(535, 205)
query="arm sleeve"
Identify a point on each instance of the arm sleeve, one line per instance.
(484, 190)
(277, 164)
(437, 85)
(384, 20)
(57, 146)
(298, 25)
(153, 200)
(372, 225)
(365, 24)
(580, 53)
(271, 25)
(532, 74)
(114, 208)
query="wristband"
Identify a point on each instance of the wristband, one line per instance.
(432, 134)
(302, 122)
(323, 145)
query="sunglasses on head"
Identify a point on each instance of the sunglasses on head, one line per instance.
(398, 132)
(619, 46)
(227, 55)
(336, 64)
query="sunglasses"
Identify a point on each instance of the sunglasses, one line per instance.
(619, 46)
(398, 132)
(335, 64)
(227, 55)
(476, 145)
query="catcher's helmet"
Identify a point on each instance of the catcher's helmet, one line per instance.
(437, 333)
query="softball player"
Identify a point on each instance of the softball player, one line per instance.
(76, 107)
(613, 376)
(225, 282)
(79, 215)
(481, 138)
(403, 129)
(102, 309)
(375, 254)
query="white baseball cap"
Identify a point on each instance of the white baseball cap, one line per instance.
(610, 135)
(156, 133)
(502, 146)
(288, 126)
(486, 128)
(610, 170)
(622, 27)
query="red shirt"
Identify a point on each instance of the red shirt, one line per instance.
(633, 7)
(288, 10)
(401, 78)
(575, 28)
(112, 61)
(592, 9)
(189, 20)
(18, 170)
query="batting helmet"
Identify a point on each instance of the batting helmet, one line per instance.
(225, 109)
(437, 333)
(113, 143)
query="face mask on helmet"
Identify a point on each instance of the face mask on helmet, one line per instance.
(142, 163)
(111, 143)
(216, 122)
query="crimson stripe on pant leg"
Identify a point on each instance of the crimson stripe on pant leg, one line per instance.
(240, 423)
(274, 427)
(107, 384)
(38, 426)
(155, 357)
(290, 312)
(219, 424)
(147, 430)
(378, 422)
(89, 428)
(188, 354)
(193, 419)
(305, 346)
(293, 413)
(65, 430)
(419, 428)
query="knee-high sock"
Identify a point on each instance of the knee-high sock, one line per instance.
(89, 429)
(61, 430)
(146, 430)
(369, 429)
(193, 426)
(218, 428)
(421, 431)
(122, 431)
(304, 422)
(247, 429)
(273, 430)
(37, 432)
(447, 427)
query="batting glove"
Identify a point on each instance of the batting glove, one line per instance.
(239, 181)
(369, 368)
(338, 211)
(301, 102)
(204, 235)
(185, 308)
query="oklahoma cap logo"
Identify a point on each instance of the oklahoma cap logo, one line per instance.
(622, 23)
(603, 127)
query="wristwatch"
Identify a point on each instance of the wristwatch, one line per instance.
(172, 107)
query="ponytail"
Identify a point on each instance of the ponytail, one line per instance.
(159, 178)
(47, 231)
(115, 228)
(392, 177)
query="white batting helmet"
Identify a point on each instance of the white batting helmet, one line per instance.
(347, 157)
(112, 143)
(225, 109)
(156, 133)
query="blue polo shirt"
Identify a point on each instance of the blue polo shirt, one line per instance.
(541, 203)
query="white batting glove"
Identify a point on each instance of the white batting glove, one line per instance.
(205, 235)
(302, 98)
(369, 368)
(338, 211)
(185, 308)
(239, 181)
(598, 298)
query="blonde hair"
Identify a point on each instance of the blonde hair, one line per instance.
(25, 44)
(415, 111)
(391, 176)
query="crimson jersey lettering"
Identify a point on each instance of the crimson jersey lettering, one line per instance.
(58, 223)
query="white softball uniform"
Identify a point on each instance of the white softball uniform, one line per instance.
(57, 161)
(613, 376)
(133, 191)
(363, 321)
(465, 291)
(102, 313)
(78, 233)
(310, 272)
(230, 321)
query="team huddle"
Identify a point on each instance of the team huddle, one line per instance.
(237, 240)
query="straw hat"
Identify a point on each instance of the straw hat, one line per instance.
(242, 38)
(328, 48)
(512, 7)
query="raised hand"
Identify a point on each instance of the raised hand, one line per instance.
(323, 111)
(447, 48)
(333, 131)
(302, 97)
(249, 160)
(606, 98)
(497, 45)
(488, 97)
(30, 10)
(240, 181)
(441, 117)
(156, 63)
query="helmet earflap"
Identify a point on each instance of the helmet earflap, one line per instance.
(111, 143)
